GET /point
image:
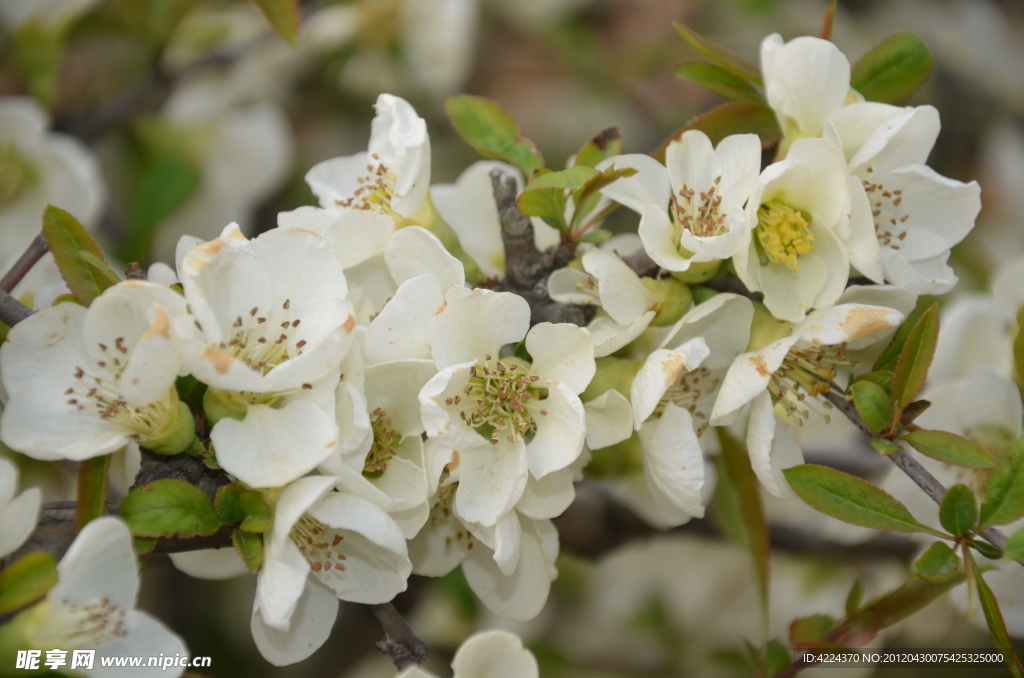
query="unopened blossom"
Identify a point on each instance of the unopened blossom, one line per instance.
(17, 513)
(40, 168)
(92, 606)
(786, 365)
(324, 546)
(85, 382)
(917, 214)
(273, 327)
(797, 216)
(691, 207)
(487, 654)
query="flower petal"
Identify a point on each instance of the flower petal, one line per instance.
(478, 323)
(414, 251)
(622, 294)
(561, 429)
(673, 460)
(402, 330)
(649, 186)
(562, 353)
(99, 564)
(212, 564)
(548, 497)
(662, 369)
(491, 480)
(494, 654)
(609, 420)
(148, 638)
(772, 447)
(19, 519)
(314, 616)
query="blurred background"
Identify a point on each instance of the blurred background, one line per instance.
(180, 116)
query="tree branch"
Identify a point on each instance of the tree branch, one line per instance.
(399, 640)
(36, 249)
(12, 311)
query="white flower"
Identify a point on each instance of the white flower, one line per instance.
(917, 214)
(807, 80)
(692, 210)
(274, 325)
(92, 606)
(353, 550)
(17, 514)
(487, 654)
(84, 382)
(797, 214)
(506, 416)
(783, 373)
(40, 168)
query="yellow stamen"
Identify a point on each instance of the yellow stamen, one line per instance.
(784, 233)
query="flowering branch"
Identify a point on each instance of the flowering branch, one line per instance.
(399, 640)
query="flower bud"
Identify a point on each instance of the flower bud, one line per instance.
(766, 328)
(175, 432)
(698, 272)
(219, 404)
(612, 373)
(674, 299)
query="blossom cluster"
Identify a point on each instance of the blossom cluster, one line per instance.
(367, 369)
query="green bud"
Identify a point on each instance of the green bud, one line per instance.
(218, 404)
(175, 433)
(674, 299)
(702, 294)
(612, 373)
(766, 328)
(618, 460)
(698, 272)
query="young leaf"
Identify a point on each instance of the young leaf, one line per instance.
(227, 503)
(719, 80)
(92, 489)
(587, 196)
(169, 508)
(872, 404)
(258, 514)
(826, 23)
(724, 57)
(67, 239)
(283, 16)
(598, 235)
(855, 596)
(950, 448)
(938, 563)
(734, 117)
(544, 196)
(809, 631)
(881, 378)
(884, 445)
(887, 360)
(996, 623)
(915, 358)
(492, 132)
(958, 512)
(166, 182)
(755, 525)
(851, 499)
(26, 580)
(894, 69)
(913, 411)
(776, 657)
(605, 145)
(101, 268)
(1004, 489)
(1015, 546)
(250, 549)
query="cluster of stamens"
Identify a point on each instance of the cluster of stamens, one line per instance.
(496, 398)
(885, 209)
(385, 443)
(262, 342)
(375, 191)
(687, 393)
(318, 544)
(445, 495)
(83, 625)
(703, 218)
(783, 233)
(806, 372)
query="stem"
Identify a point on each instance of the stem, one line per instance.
(12, 311)
(399, 640)
(36, 249)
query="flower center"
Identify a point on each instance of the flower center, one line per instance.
(887, 212)
(703, 218)
(376, 189)
(264, 340)
(385, 444)
(16, 175)
(783, 233)
(496, 397)
(695, 391)
(74, 626)
(319, 544)
(804, 372)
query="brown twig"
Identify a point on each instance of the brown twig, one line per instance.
(12, 311)
(399, 640)
(36, 249)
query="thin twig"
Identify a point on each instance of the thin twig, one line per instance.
(36, 249)
(399, 640)
(12, 311)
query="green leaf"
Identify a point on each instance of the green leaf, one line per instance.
(726, 502)
(227, 504)
(26, 580)
(283, 17)
(588, 196)
(851, 499)
(545, 197)
(143, 546)
(872, 404)
(92, 489)
(809, 631)
(250, 549)
(938, 563)
(887, 360)
(855, 596)
(719, 80)
(881, 378)
(258, 514)
(958, 512)
(605, 145)
(734, 117)
(190, 391)
(884, 445)
(169, 508)
(1015, 546)
(894, 69)
(168, 179)
(67, 240)
(100, 267)
(996, 623)
(728, 60)
(1004, 489)
(915, 358)
(988, 550)
(598, 235)
(755, 524)
(950, 448)
(776, 657)
(492, 132)
(913, 411)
